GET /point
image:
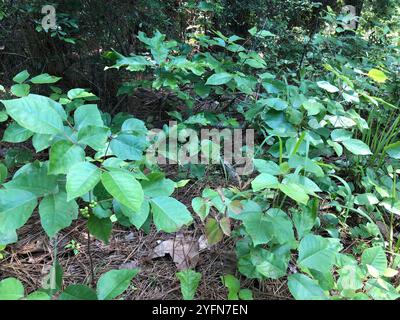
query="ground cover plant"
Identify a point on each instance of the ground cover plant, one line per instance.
(233, 150)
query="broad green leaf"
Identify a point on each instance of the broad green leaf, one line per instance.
(233, 285)
(393, 150)
(366, 199)
(294, 191)
(340, 135)
(327, 86)
(21, 77)
(214, 233)
(189, 281)
(63, 155)
(94, 137)
(201, 207)
(304, 288)
(273, 266)
(42, 141)
(219, 79)
(258, 227)
(376, 258)
(45, 78)
(264, 181)
(313, 107)
(157, 185)
(135, 126)
(169, 214)
(114, 282)
(38, 296)
(78, 292)
(3, 173)
(124, 188)
(87, 115)
(377, 75)
(82, 178)
(138, 218)
(36, 113)
(16, 134)
(341, 121)
(16, 206)
(350, 278)
(245, 294)
(20, 90)
(316, 252)
(268, 167)
(34, 178)
(100, 228)
(280, 226)
(56, 213)
(357, 147)
(3, 116)
(128, 147)
(79, 93)
(11, 289)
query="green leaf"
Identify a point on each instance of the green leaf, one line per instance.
(36, 113)
(16, 206)
(21, 77)
(213, 231)
(95, 137)
(313, 107)
(78, 292)
(219, 79)
(125, 188)
(79, 93)
(357, 147)
(157, 185)
(87, 115)
(273, 266)
(303, 288)
(377, 75)
(264, 181)
(189, 281)
(327, 86)
(38, 295)
(233, 285)
(16, 134)
(56, 213)
(20, 90)
(138, 218)
(201, 207)
(33, 177)
(393, 150)
(169, 214)
(44, 79)
(42, 141)
(100, 228)
(245, 294)
(376, 258)
(135, 126)
(82, 178)
(268, 167)
(295, 191)
(258, 227)
(340, 135)
(11, 289)
(3, 173)
(63, 155)
(128, 147)
(114, 282)
(317, 253)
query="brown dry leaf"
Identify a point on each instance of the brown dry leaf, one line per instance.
(183, 250)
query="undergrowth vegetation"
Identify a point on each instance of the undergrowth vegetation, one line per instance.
(318, 204)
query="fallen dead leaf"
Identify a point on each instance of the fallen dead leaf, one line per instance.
(184, 250)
